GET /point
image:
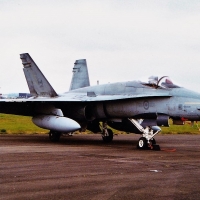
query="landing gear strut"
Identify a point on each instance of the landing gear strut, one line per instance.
(54, 136)
(107, 134)
(147, 140)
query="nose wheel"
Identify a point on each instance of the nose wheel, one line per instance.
(144, 144)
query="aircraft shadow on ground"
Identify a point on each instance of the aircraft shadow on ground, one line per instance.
(75, 140)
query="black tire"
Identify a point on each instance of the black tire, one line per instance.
(153, 141)
(108, 138)
(142, 143)
(54, 136)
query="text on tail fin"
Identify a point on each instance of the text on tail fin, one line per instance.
(37, 83)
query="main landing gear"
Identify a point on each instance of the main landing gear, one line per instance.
(54, 136)
(107, 134)
(147, 140)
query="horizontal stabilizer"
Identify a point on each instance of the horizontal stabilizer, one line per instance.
(37, 83)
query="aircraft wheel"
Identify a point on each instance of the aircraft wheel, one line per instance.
(142, 143)
(153, 141)
(54, 136)
(109, 137)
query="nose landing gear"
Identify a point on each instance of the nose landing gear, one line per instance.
(144, 144)
(147, 140)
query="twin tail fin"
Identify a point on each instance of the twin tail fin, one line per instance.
(80, 77)
(37, 83)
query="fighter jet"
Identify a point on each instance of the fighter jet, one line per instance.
(134, 106)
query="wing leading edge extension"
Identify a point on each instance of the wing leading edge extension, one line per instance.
(37, 83)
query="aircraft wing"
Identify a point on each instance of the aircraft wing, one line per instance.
(83, 97)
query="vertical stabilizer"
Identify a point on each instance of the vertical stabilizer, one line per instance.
(37, 83)
(80, 76)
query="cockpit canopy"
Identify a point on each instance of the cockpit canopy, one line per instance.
(162, 82)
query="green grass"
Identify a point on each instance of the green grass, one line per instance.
(188, 128)
(13, 124)
(19, 125)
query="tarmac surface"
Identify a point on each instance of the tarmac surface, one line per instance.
(83, 167)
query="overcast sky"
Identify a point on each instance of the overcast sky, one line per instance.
(121, 40)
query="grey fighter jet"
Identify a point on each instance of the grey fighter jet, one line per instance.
(133, 106)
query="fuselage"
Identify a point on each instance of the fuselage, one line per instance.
(131, 99)
(178, 103)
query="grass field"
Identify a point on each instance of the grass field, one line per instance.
(188, 128)
(13, 124)
(18, 125)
